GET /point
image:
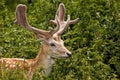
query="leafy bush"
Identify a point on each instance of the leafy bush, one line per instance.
(94, 40)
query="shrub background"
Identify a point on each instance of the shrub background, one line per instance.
(94, 40)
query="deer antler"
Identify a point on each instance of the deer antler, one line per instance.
(63, 24)
(21, 20)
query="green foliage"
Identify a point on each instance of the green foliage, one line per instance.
(94, 40)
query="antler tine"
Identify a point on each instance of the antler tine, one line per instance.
(21, 19)
(53, 31)
(61, 12)
(63, 24)
(63, 27)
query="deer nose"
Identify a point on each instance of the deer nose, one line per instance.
(69, 54)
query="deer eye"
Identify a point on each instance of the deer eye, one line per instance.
(52, 44)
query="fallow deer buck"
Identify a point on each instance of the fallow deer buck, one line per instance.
(52, 45)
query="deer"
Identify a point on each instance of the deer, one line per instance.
(52, 46)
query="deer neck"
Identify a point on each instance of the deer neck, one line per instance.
(44, 60)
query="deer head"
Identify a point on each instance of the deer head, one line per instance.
(51, 41)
